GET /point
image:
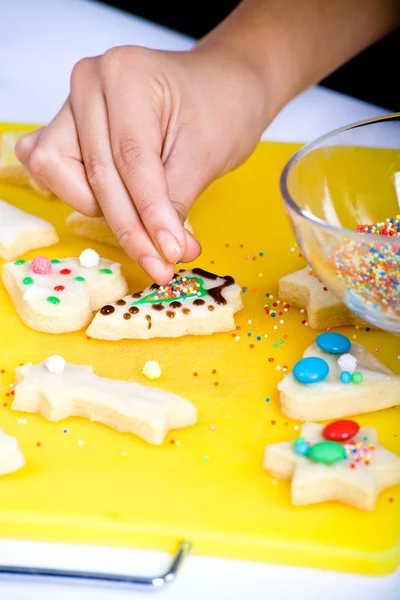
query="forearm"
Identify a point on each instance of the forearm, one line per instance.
(293, 44)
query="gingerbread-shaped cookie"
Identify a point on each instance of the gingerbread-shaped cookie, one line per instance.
(97, 228)
(337, 378)
(340, 461)
(21, 232)
(11, 456)
(195, 302)
(303, 289)
(58, 390)
(60, 295)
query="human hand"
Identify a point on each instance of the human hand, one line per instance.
(141, 135)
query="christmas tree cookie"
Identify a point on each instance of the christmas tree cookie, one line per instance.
(195, 302)
(338, 462)
(57, 296)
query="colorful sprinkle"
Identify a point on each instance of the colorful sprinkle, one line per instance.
(65, 271)
(20, 262)
(53, 300)
(41, 265)
(79, 278)
(106, 271)
(27, 281)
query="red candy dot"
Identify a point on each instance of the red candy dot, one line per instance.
(65, 271)
(195, 374)
(340, 431)
(59, 288)
(213, 371)
(41, 265)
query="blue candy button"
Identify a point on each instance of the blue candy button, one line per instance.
(310, 370)
(332, 342)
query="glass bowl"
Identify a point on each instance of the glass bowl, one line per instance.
(348, 178)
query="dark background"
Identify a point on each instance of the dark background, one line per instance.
(372, 76)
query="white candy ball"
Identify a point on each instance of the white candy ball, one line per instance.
(89, 258)
(55, 364)
(347, 362)
(152, 369)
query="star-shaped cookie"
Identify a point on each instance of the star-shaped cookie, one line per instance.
(303, 289)
(362, 468)
(11, 457)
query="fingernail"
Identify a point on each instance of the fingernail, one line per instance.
(169, 246)
(158, 270)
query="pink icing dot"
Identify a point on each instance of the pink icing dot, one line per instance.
(41, 265)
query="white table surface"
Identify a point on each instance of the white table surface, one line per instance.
(40, 41)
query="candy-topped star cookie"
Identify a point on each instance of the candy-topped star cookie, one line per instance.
(303, 289)
(11, 457)
(195, 302)
(58, 296)
(337, 378)
(338, 462)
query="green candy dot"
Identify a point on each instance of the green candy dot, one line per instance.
(299, 440)
(53, 300)
(55, 261)
(27, 281)
(79, 278)
(106, 271)
(20, 262)
(327, 453)
(357, 377)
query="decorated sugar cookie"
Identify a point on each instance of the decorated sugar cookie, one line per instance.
(11, 170)
(96, 228)
(337, 378)
(57, 296)
(58, 390)
(338, 462)
(195, 302)
(21, 232)
(303, 289)
(11, 456)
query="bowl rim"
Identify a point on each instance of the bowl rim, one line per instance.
(307, 216)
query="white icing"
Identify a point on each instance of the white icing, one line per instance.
(89, 258)
(347, 362)
(152, 369)
(55, 364)
(15, 222)
(33, 291)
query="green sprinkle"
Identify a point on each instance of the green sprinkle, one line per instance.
(275, 345)
(53, 300)
(206, 459)
(20, 262)
(106, 271)
(55, 261)
(299, 440)
(177, 443)
(79, 278)
(27, 281)
(365, 438)
(357, 377)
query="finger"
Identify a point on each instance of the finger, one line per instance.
(90, 113)
(23, 150)
(54, 159)
(136, 143)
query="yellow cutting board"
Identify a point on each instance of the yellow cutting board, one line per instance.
(86, 483)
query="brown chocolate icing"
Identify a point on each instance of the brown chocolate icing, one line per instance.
(175, 304)
(137, 295)
(206, 274)
(107, 309)
(120, 302)
(215, 292)
(154, 286)
(148, 319)
(170, 314)
(134, 310)
(158, 307)
(198, 302)
(211, 307)
(186, 311)
(127, 316)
